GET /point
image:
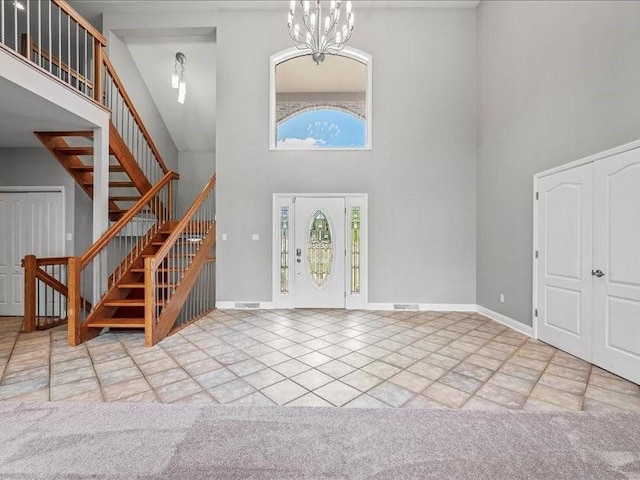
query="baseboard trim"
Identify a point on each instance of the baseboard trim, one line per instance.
(425, 307)
(235, 305)
(506, 321)
(422, 307)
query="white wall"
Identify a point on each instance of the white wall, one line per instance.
(420, 175)
(196, 168)
(557, 81)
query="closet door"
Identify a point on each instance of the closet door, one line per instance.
(565, 252)
(616, 342)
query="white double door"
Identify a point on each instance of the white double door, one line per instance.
(319, 252)
(31, 223)
(588, 281)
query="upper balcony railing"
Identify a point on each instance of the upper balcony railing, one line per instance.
(58, 40)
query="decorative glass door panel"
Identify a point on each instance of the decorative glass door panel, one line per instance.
(320, 249)
(319, 252)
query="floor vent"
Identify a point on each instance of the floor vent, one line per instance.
(247, 306)
(406, 306)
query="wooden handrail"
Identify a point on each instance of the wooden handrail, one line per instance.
(177, 231)
(69, 10)
(52, 261)
(134, 112)
(126, 218)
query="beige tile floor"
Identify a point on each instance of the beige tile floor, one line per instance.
(314, 358)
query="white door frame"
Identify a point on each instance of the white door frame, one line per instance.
(286, 299)
(41, 189)
(583, 161)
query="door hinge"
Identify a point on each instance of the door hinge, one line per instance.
(537, 196)
(535, 312)
(536, 253)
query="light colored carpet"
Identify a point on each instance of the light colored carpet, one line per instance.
(118, 440)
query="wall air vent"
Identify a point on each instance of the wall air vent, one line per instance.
(414, 307)
(247, 306)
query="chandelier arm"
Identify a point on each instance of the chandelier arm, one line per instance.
(313, 43)
(320, 39)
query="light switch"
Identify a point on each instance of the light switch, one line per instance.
(255, 237)
(69, 237)
(224, 236)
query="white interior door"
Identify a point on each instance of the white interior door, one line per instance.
(319, 252)
(31, 223)
(565, 243)
(616, 344)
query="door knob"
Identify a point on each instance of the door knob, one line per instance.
(597, 273)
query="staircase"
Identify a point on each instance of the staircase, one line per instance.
(74, 151)
(150, 270)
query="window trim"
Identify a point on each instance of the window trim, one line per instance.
(293, 52)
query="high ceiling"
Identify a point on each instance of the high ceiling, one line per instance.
(192, 124)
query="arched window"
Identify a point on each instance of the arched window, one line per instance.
(325, 106)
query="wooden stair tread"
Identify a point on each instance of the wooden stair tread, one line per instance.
(118, 323)
(124, 198)
(72, 133)
(87, 150)
(89, 168)
(121, 185)
(139, 270)
(129, 302)
(130, 286)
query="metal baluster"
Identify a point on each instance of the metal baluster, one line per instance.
(2, 29)
(15, 29)
(50, 46)
(86, 68)
(59, 43)
(40, 59)
(77, 56)
(68, 51)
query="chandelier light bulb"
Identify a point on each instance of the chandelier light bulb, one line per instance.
(175, 80)
(182, 91)
(320, 34)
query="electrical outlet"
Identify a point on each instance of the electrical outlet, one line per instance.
(502, 298)
(255, 237)
(224, 236)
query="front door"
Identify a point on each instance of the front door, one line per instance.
(319, 252)
(616, 345)
(30, 223)
(565, 240)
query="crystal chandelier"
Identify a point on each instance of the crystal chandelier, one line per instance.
(177, 79)
(320, 27)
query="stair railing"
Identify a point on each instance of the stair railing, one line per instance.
(61, 43)
(179, 278)
(98, 270)
(53, 36)
(129, 125)
(45, 292)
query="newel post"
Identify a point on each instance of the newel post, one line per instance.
(29, 265)
(73, 302)
(149, 301)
